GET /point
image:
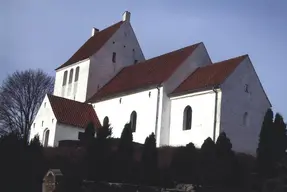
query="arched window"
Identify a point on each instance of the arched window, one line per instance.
(106, 121)
(187, 118)
(133, 121)
(71, 76)
(65, 78)
(245, 119)
(46, 137)
(77, 74)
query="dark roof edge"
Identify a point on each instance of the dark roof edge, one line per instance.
(124, 93)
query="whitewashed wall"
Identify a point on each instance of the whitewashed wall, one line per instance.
(198, 58)
(235, 102)
(45, 115)
(203, 108)
(66, 132)
(119, 113)
(80, 85)
(123, 42)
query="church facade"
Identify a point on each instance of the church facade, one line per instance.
(181, 96)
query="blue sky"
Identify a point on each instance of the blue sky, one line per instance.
(45, 33)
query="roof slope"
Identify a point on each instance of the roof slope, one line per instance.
(72, 112)
(92, 45)
(145, 74)
(210, 75)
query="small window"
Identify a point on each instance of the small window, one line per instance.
(34, 124)
(106, 121)
(53, 120)
(133, 121)
(42, 123)
(77, 74)
(124, 46)
(65, 78)
(149, 94)
(113, 42)
(246, 88)
(71, 76)
(120, 100)
(187, 118)
(135, 61)
(114, 57)
(45, 105)
(245, 119)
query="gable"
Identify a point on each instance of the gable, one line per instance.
(147, 74)
(73, 113)
(92, 45)
(208, 76)
(245, 74)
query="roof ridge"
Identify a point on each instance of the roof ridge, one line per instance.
(58, 97)
(231, 59)
(165, 54)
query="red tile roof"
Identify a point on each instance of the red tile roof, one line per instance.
(73, 113)
(145, 74)
(92, 45)
(210, 75)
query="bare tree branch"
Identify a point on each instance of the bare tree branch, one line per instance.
(21, 95)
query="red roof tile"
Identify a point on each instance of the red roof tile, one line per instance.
(73, 113)
(145, 74)
(92, 45)
(210, 75)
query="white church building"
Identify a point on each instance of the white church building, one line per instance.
(181, 96)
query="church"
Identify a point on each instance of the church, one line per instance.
(181, 96)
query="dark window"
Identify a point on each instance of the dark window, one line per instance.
(46, 137)
(135, 62)
(187, 118)
(114, 57)
(245, 119)
(65, 78)
(77, 74)
(133, 120)
(106, 121)
(71, 76)
(246, 88)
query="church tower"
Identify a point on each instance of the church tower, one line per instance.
(98, 60)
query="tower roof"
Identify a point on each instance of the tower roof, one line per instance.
(92, 45)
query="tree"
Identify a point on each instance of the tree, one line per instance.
(280, 139)
(125, 153)
(264, 150)
(21, 163)
(223, 145)
(208, 162)
(227, 166)
(150, 161)
(21, 95)
(184, 164)
(104, 132)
